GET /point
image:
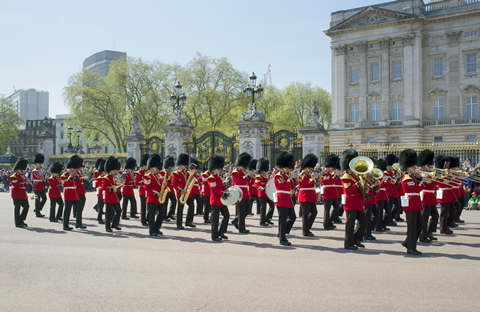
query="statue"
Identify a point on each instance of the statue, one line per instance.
(252, 114)
(136, 126)
(315, 115)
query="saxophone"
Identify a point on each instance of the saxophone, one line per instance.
(188, 187)
(163, 190)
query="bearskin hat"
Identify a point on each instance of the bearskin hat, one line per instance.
(407, 159)
(337, 165)
(101, 166)
(130, 163)
(56, 167)
(195, 161)
(454, 162)
(21, 164)
(285, 160)
(346, 157)
(74, 162)
(425, 157)
(39, 158)
(440, 161)
(309, 161)
(331, 161)
(112, 163)
(155, 160)
(205, 165)
(243, 160)
(183, 159)
(97, 163)
(144, 159)
(253, 164)
(168, 162)
(263, 165)
(391, 159)
(373, 158)
(381, 164)
(217, 161)
(81, 163)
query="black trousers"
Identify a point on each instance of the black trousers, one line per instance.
(429, 220)
(287, 218)
(208, 208)
(143, 209)
(155, 225)
(215, 220)
(19, 218)
(414, 227)
(197, 198)
(328, 215)
(76, 204)
(53, 203)
(446, 215)
(459, 208)
(190, 211)
(396, 207)
(354, 233)
(370, 210)
(100, 205)
(309, 213)
(384, 220)
(173, 204)
(133, 205)
(271, 208)
(241, 213)
(112, 215)
(250, 204)
(40, 201)
(263, 209)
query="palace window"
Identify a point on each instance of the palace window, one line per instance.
(353, 74)
(354, 48)
(351, 141)
(437, 39)
(471, 137)
(395, 139)
(438, 139)
(374, 72)
(397, 70)
(471, 105)
(374, 111)
(370, 140)
(375, 45)
(397, 110)
(396, 43)
(471, 63)
(471, 34)
(438, 109)
(438, 67)
(354, 112)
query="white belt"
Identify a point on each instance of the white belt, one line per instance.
(412, 194)
(37, 180)
(242, 185)
(70, 187)
(332, 185)
(445, 189)
(456, 187)
(285, 192)
(308, 189)
(18, 187)
(383, 189)
(429, 191)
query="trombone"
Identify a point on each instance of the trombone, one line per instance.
(432, 176)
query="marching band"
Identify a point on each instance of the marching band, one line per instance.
(374, 193)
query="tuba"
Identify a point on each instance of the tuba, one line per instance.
(362, 165)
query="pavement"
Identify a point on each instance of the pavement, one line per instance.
(44, 268)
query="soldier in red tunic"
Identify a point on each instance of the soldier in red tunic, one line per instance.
(240, 179)
(99, 189)
(392, 190)
(18, 185)
(81, 191)
(127, 190)
(461, 199)
(307, 196)
(206, 193)
(112, 204)
(381, 199)
(54, 193)
(39, 185)
(196, 190)
(260, 184)
(153, 186)
(179, 181)
(217, 191)
(352, 203)
(445, 195)
(70, 181)
(252, 191)
(168, 165)
(329, 191)
(429, 201)
(411, 201)
(284, 185)
(96, 174)
(141, 190)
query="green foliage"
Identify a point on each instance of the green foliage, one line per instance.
(8, 123)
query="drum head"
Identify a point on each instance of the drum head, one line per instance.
(270, 188)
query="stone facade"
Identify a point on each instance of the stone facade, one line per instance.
(406, 72)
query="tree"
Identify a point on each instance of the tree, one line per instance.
(8, 123)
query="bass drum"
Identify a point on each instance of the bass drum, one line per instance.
(270, 189)
(236, 195)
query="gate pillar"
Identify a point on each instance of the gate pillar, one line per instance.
(250, 136)
(178, 133)
(313, 135)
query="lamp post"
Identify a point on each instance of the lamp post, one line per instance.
(177, 99)
(79, 132)
(252, 89)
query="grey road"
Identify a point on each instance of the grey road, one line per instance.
(44, 268)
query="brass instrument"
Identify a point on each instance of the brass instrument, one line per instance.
(188, 187)
(362, 165)
(431, 175)
(236, 195)
(377, 174)
(34, 197)
(119, 181)
(163, 189)
(396, 166)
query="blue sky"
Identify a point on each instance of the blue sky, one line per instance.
(45, 42)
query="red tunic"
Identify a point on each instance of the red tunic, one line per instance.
(79, 184)
(109, 195)
(54, 184)
(392, 190)
(99, 184)
(284, 186)
(196, 186)
(217, 189)
(329, 183)
(428, 193)
(306, 186)
(251, 186)
(94, 182)
(179, 180)
(260, 181)
(70, 186)
(206, 187)
(38, 179)
(17, 186)
(351, 192)
(127, 188)
(239, 178)
(372, 200)
(382, 193)
(338, 186)
(153, 186)
(139, 181)
(412, 190)
(447, 194)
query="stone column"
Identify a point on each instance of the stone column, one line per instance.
(313, 135)
(417, 78)
(250, 136)
(408, 83)
(175, 139)
(452, 108)
(46, 147)
(362, 80)
(339, 75)
(385, 103)
(135, 140)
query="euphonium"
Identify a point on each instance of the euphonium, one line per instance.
(362, 165)
(188, 187)
(163, 189)
(377, 174)
(396, 166)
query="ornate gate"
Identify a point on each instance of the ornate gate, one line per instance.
(155, 144)
(283, 140)
(214, 141)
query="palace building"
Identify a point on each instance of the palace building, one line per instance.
(406, 72)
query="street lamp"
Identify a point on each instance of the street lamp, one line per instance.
(79, 132)
(177, 99)
(70, 131)
(253, 90)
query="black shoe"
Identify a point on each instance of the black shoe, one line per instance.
(134, 217)
(180, 227)
(80, 226)
(39, 215)
(392, 223)
(454, 225)
(309, 234)
(95, 208)
(166, 220)
(200, 213)
(459, 221)
(101, 222)
(217, 239)
(172, 217)
(125, 218)
(235, 223)
(24, 224)
(159, 232)
(379, 230)
(67, 228)
(109, 230)
(264, 224)
(351, 247)
(154, 234)
(117, 228)
(404, 244)
(448, 232)
(144, 224)
(60, 219)
(329, 228)
(19, 225)
(190, 225)
(244, 231)
(386, 229)
(359, 244)
(251, 214)
(399, 219)
(370, 238)
(270, 222)
(339, 221)
(425, 240)
(285, 243)
(223, 236)
(430, 235)
(54, 220)
(414, 252)
(207, 221)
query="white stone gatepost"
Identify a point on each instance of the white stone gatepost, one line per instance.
(252, 129)
(313, 135)
(178, 133)
(135, 140)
